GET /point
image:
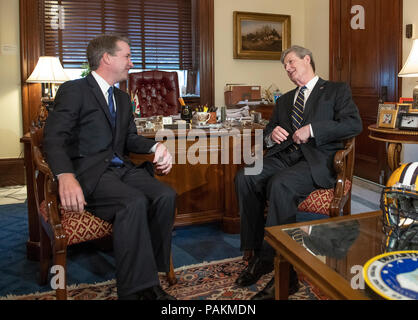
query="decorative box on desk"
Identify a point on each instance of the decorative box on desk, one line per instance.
(236, 93)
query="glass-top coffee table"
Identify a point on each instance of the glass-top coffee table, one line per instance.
(331, 253)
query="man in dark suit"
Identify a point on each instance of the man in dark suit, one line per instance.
(88, 137)
(306, 129)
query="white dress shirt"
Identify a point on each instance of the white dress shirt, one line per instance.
(309, 87)
(104, 86)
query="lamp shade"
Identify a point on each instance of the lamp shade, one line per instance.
(48, 70)
(410, 69)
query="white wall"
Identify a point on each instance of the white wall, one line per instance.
(10, 97)
(309, 27)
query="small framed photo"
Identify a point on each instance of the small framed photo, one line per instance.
(408, 121)
(404, 107)
(413, 108)
(387, 118)
(384, 106)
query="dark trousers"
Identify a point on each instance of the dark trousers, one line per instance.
(284, 181)
(141, 209)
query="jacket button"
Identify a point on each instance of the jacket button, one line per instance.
(106, 160)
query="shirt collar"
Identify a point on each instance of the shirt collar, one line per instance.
(311, 84)
(104, 86)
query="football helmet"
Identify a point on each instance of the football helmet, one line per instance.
(399, 204)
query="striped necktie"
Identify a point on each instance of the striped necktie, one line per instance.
(298, 107)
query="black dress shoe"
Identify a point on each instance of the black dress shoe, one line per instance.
(268, 293)
(154, 293)
(255, 269)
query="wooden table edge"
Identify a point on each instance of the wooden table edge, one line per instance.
(326, 279)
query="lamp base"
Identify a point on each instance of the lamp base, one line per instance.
(415, 97)
(46, 105)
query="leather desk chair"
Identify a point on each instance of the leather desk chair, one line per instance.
(60, 228)
(157, 92)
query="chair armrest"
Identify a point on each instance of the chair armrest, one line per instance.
(343, 165)
(50, 193)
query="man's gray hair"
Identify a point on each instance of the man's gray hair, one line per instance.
(301, 52)
(101, 44)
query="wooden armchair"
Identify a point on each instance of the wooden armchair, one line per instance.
(60, 228)
(325, 203)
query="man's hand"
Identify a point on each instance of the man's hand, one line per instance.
(302, 135)
(279, 135)
(163, 160)
(71, 194)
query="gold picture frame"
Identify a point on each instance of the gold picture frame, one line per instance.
(387, 118)
(260, 36)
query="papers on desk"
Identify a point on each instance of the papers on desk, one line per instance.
(238, 113)
(251, 103)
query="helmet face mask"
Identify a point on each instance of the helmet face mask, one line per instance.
(399, 205)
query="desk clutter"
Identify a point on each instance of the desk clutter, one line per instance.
(201, 117)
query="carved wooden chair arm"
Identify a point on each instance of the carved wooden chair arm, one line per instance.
(50, 191)
(343, 165)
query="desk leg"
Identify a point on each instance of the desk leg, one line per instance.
(394, 155)
(281, 277)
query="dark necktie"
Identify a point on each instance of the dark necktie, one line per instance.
(116, 161)
(111, 106)
(298, 107)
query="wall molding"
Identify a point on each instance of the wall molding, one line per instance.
(12, 172)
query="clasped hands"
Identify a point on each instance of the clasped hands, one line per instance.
(71, 194)
(301, 135)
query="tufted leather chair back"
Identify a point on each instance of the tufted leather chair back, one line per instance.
(157, 92)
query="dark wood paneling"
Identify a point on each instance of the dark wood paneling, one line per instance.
(368, 60)
(207, 70)
(30, 51)
(12, 172)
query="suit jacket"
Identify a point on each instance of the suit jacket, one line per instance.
(333, 115)
(78, 135)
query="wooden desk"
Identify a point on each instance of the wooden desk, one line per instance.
(335, 277)
(395, 139)
(206, 191)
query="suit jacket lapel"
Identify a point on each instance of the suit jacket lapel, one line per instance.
(97, 92)
(313, 98)
(289, 105)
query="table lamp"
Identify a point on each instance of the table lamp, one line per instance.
(48, 71)
(410, 69)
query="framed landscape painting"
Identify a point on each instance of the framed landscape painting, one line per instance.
(260, 36)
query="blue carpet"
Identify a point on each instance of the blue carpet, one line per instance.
(87, 264)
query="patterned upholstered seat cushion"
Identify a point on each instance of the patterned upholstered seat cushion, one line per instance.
(80, 227)
(319, 200)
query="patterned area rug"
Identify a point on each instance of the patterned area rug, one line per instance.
(206, 281)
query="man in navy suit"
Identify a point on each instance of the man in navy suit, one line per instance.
(307, 127)
(88, 137)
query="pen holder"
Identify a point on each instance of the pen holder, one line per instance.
(212, 118)
(223, 114)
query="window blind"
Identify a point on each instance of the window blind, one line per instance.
(160, 31)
